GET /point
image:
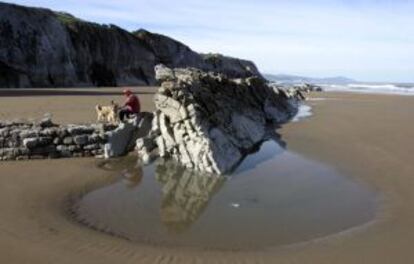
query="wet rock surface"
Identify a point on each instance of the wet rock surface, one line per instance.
(209, 122)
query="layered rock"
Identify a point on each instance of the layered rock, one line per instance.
(209, 122)
(42, 48)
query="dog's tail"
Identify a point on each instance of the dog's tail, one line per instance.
(98, 107)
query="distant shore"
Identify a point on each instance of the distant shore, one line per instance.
(367, 137)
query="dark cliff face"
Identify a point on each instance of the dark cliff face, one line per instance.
(42, 48)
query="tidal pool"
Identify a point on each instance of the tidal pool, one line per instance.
(274, 198)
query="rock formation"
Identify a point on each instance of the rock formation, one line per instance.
(123, 139)
(42, 48)
(209, 122)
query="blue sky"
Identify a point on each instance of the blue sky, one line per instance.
(371, 40)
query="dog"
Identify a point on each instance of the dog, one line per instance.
(107, 114)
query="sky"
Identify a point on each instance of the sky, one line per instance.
(368, 40)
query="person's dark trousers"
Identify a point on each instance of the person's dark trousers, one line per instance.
(125, 113)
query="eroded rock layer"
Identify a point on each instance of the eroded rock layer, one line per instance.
(209, 122)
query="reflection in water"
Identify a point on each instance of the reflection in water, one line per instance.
(127, 167)
(273, 198)
(185, 194)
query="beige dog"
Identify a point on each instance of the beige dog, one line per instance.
(107, 114)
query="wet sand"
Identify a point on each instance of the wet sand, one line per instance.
(367, 137)
(67, 105)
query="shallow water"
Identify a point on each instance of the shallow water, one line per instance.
(274, 198)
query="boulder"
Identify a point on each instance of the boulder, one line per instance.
(68, 140)
(81, 140)
(123, 138)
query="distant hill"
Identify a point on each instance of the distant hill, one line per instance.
(285, 78)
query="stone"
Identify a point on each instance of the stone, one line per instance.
(79, 130)
(4, 132)
(62, 148)
(29, 133)
(81, 140)
(163, 73)
(46, 122)
(30, 142)
(68, 140)
(145, 143)
(92, 147)
(50, 131)
(45, 150)
(123, 139)
(95, 138)
(73, 148)
(57, 140)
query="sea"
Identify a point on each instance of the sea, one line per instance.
(383, 88)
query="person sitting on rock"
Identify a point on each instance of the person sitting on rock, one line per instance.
(131, 105)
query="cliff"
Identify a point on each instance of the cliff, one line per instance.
(42, 48)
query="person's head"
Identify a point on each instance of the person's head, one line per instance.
(127, 92)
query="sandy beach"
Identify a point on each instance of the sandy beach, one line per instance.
(366, 137)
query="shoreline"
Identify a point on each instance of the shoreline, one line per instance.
(33, 217)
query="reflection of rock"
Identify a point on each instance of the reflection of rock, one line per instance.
(209, 122)
(127, 167)
(186, 194)
(132, 177)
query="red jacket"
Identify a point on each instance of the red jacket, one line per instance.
(132, 104)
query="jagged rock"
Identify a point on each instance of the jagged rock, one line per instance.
(209, 122)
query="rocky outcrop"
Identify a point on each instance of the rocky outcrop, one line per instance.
(232, 67)
(209, 122)
(44, 139)
(123, 139)
(42, 48)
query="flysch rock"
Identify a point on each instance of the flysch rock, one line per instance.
(209, 122)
